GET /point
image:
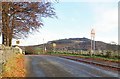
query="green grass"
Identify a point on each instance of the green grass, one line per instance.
(106, 58)
(84, 56)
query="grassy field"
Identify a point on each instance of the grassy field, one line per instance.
(85, 56)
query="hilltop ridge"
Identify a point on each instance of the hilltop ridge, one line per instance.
(77, 44)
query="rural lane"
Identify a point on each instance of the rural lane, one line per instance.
(53, 66)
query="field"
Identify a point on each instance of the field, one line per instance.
(102, 57)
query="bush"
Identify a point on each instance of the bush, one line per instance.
(108, 54)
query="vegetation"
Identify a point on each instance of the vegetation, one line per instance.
(86, 56)
(14, 67)
(21, 18)
(78, 45)
(33, 50)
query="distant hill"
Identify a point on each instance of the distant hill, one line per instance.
(77, 44)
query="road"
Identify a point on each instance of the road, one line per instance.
(52, 66)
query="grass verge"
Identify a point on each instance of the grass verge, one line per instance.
(14, 67)
(85, 56)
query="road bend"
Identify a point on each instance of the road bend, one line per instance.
(53, 66)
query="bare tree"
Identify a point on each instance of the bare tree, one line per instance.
(20, 18)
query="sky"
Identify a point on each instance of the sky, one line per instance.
(76, 19)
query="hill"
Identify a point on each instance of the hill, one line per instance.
(76, 44)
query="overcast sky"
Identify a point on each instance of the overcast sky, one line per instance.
(76, 19)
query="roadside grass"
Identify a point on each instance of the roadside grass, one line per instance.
(14, 67)
(86, 56)
(0, 73)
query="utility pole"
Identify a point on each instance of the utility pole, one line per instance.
(92, 41)
(43, 45)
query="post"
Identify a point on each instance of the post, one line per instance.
(17, 42)
(92, 41)
(91, 47)
(94, 44)
(45, 49)
(43, 45)
(54, 47)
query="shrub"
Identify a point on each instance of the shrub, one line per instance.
(108, 54)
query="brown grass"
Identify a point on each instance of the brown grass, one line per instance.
(15, 67)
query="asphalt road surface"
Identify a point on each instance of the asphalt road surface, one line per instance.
(52, 66)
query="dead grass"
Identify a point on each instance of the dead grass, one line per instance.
(14, 67)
